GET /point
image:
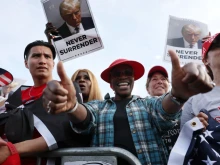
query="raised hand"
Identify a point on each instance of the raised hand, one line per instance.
(59, 96)
(51, 31)
(188, 80)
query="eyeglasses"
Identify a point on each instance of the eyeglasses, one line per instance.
(127, 73)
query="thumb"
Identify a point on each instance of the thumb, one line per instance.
(62, 73)
(174, 60)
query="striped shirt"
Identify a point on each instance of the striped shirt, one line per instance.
(147, 121)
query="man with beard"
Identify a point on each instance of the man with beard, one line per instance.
(126, 120)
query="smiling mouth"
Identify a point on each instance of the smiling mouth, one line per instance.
(160, 87)
(123, 84)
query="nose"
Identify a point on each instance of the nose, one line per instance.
(159, 81)
(42, 60)
(81, 79)
(74, 17)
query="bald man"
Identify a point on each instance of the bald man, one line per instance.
(70, 11)
(191, 38)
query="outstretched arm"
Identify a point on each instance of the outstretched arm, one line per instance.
(25, 147)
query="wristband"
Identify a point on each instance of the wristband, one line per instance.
(176, 100)
(74, 109)
(14, 158)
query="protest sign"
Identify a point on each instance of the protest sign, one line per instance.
(77, 33)
(184, 37)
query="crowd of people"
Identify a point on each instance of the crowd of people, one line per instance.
(71, 112)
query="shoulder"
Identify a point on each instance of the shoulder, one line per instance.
(86, 19)
(62, 26)
(95, 103)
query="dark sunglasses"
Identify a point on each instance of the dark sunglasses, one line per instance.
(119, 73)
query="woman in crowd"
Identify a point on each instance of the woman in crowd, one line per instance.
(157, 85)
(157, 81)
(88, 85)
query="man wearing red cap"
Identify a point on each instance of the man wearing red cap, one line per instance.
(128, 121)
(211, 100)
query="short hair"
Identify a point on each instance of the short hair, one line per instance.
(39, 43)
(190, 27)
(67, 5)
(149, 78)
(95, 93)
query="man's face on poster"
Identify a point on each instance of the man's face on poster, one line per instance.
(191, 34)
(72, 16)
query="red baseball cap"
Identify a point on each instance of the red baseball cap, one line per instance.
(137, 67)
(206, 45)
(157, 69)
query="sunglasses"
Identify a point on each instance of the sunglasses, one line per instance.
(127, 73)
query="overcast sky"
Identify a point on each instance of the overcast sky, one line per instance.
(132, 29)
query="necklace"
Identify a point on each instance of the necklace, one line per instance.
(30, 92)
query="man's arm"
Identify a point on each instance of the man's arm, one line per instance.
(24, 148)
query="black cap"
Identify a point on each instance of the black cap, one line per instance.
(39, 43)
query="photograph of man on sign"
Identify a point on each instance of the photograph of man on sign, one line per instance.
(70, 11)
(190, 37)
(67, 17)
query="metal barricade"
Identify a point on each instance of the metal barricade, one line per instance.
(91, 151)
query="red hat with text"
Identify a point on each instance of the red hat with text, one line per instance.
(138, 69)
(206, 45)
(157, 69)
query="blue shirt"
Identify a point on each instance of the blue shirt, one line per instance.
(147, 121)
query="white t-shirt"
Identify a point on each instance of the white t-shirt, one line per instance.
(209, 101)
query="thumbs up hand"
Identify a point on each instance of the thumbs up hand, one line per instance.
(59, 96)
(188, 80)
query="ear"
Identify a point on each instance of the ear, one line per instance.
(205, 62)
(26, 64)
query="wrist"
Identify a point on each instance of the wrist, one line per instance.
(74, 108)
(175, 99)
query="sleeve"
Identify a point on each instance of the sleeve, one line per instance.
(159, 117)
(187, 112)
(92, 108)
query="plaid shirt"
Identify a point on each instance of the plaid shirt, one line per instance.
(147, 121)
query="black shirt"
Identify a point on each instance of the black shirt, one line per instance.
(122, 132)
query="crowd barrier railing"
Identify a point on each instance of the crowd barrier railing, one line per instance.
(90, 151)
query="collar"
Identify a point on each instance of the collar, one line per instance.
(134, 97)
(73, 29)
(187, 45)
